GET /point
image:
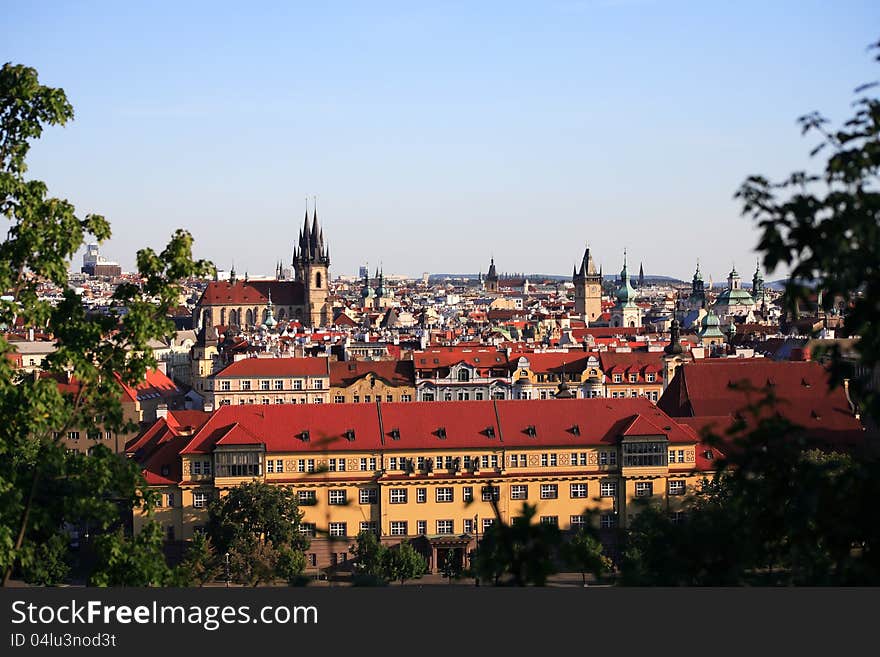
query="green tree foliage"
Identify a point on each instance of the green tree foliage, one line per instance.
(291, 565)
(368, 555)
(137, 561)
(258, 525)
(776, 512)
(403, 562)
(253, 561)
(826, 228)
(584, 553)
(48, 565)
(522, 553)
(42, 237)
(200, 564)
(256, 510)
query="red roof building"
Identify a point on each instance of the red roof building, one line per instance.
(715, 392)
(427, 472)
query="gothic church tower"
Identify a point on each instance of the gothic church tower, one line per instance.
(587, 289)
(311, 264)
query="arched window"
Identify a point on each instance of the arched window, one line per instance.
(318, 279)
(250, 317)
(632, 324)
(223, 316)
(464, 375)
(265, 316)
(206, 317)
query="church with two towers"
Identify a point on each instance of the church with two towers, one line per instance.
(242, 303)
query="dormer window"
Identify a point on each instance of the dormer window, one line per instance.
(305, 436)
(395, 434)
(530, 431)
(349, 435)
(441, 433)
(576, 430)
(490, 432)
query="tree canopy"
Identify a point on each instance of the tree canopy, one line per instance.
(43, 490)
(258, 525)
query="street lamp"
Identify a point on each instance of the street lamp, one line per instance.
(227, 569)
(476, 547)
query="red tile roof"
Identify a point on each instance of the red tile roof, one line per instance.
(275, 367)
(251, 293)
(158, 447)
(392, 372)
(633, 362)
(714, 388)
(446, 356)
(280, 427)
(319, 428)
(553, 361)
(155, 384)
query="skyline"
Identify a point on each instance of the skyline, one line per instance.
(436, 138)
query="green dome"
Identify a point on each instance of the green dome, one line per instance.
(737, 297)
(710, 326)
(626, 295)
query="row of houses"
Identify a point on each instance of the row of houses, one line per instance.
(439, 374)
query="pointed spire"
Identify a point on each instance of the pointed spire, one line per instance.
(305, 236)
(315, 221)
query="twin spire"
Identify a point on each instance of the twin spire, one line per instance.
(311, 247)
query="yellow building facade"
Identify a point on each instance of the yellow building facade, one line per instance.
(434, 473)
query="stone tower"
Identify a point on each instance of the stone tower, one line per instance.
(587, 289)
(311, 264)
(492, 277)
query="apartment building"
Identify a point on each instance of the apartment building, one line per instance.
(438, 474)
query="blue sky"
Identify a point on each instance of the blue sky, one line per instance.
(437, 134)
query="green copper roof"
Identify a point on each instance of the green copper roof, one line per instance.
(738, 297)
(709, 326)
(625, 294)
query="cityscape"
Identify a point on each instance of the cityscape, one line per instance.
(501, 350)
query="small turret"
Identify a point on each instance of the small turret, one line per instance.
(674, 346)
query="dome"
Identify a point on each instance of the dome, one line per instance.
(735, 297)
(711, 319)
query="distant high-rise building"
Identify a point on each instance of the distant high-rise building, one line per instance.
(363, 271)
(94, 264)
